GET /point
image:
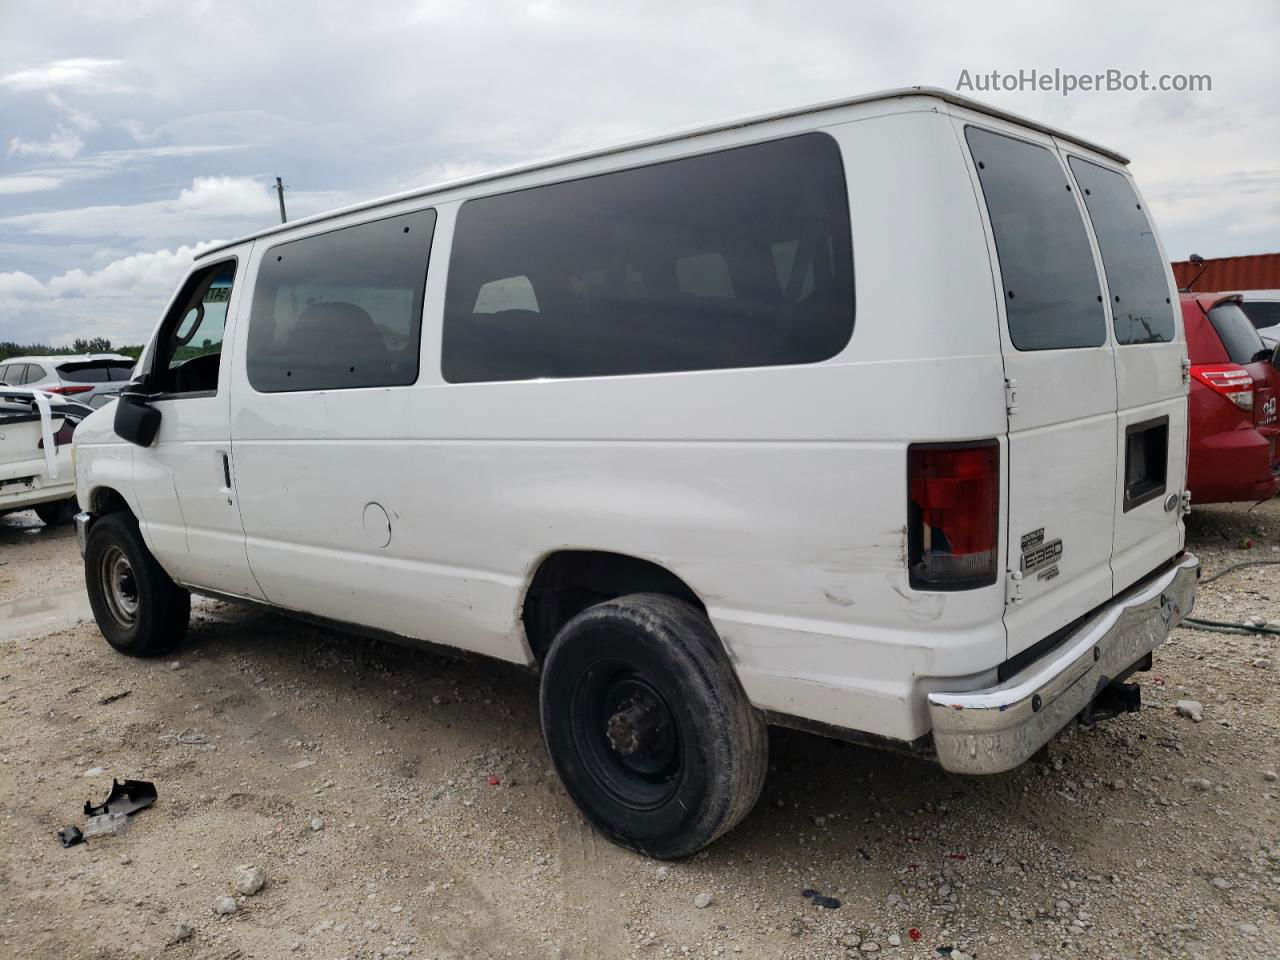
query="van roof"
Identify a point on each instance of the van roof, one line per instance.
(934, 93)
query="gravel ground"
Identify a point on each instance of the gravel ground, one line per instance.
(400, 804)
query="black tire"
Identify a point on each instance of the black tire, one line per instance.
(649, 728)
(57, 512)
(140, 611)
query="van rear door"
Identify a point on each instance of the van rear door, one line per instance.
(1150, 350)
(1061, 385)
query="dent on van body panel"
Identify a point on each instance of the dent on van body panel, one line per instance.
(769, 491)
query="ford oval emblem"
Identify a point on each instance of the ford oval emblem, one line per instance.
(1170, 503)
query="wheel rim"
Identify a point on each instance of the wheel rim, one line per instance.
(627, 735)
(119, 586)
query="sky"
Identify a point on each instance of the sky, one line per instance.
(133, 133)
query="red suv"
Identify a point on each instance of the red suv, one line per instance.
(1234, 389)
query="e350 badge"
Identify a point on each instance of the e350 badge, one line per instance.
(1040, 557)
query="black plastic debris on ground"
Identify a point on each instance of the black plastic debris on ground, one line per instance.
(126, 797)
(831, 903)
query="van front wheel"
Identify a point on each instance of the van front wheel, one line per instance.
(648, 727)
(140, 611)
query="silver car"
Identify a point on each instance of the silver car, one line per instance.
(86, 376)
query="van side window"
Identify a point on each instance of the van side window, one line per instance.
(1051, 289)
(740, 258)
(1136, 273)
(189, 346)
(342, 309)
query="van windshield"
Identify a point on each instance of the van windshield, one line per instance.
(1237, 334)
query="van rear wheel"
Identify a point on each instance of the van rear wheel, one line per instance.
(649, 728)
(140, 610)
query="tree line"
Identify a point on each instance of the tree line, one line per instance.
(8, 348)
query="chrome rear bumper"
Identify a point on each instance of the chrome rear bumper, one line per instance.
(82, 521)
(991, 730)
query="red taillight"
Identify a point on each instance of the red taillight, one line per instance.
(1228, 380)
(65, 391)
(954, 512)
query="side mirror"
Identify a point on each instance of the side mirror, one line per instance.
(136, 420)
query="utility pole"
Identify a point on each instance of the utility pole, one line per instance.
(280, 194)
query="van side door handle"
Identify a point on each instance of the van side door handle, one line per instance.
(226, 473)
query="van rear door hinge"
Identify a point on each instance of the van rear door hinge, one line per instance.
(1010, 396)
(1013, 587)
(1186, 369)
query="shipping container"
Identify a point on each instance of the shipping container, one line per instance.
(1259, 271)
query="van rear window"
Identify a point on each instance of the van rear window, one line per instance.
(740, 258)
(1051, 292)
(1237, 334)
(1142, 310)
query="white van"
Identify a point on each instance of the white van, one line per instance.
(866, 418)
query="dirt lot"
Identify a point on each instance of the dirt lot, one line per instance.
(401, 804)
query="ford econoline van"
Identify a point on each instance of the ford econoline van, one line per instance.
(868, 418)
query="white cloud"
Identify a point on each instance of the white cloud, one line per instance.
(120, 301)
(62, 144)
(98, 165)
(140, 133)
(28, 183)
(82, 120)
(85, 74)
(210, 206)
(123, 158)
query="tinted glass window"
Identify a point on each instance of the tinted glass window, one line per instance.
(343, 309)
(1051, 289)
(4, 375)
(95, 371)
(1141, 308)
(734, 259)
(84, 373)
(189, 347)
(1263, 313)
(35, 372)
(1237, 334)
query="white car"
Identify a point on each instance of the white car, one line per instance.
(35, 453)
(88, 377)
(621, 418)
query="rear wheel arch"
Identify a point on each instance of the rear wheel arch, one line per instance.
(566, 582)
